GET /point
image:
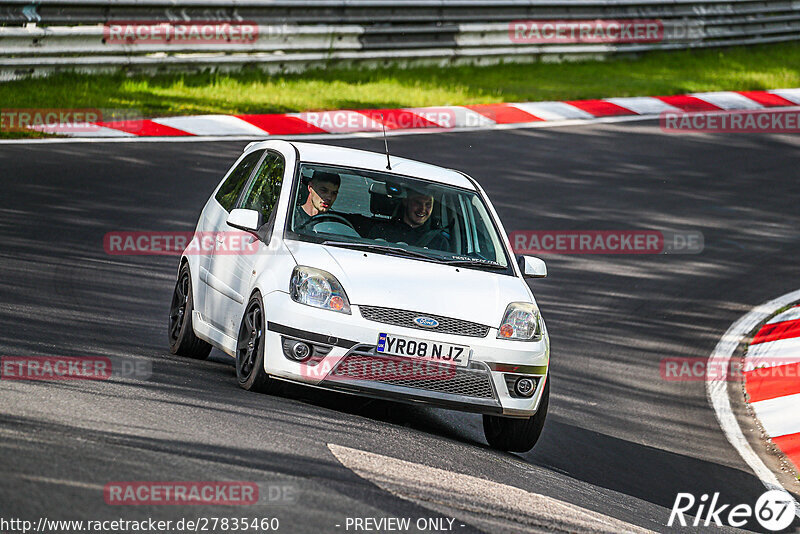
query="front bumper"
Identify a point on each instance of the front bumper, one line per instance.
(351, 364)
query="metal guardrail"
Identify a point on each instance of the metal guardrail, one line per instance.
(41, 37)
(373, 11)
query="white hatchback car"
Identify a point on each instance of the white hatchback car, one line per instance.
(368, 274)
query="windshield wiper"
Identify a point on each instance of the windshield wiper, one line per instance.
(476, 263)
(381, 248)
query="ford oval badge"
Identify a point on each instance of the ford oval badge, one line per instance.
(427, 322)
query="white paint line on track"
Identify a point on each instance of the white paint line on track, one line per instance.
(312, 137)
(779, 416)
(643, 105)
(728, 100)
(553, 111)
(63, 482)
(475, 500)
(95, 132)
(211, 125)
(717, 386)
(772, 353)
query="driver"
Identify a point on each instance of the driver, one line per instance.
(415, 226)
(323, 188)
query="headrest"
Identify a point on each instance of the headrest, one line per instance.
(384, 198)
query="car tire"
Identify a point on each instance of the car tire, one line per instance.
(517, 435)
(182, 339)
(250, 349)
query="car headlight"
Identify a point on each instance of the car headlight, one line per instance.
(318, 288)
(521, 322)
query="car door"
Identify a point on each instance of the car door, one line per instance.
(235, 253)
(213, 219)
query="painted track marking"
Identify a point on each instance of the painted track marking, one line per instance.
(475, 500)
(717, 386)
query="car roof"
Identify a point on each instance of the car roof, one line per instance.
(376, 161)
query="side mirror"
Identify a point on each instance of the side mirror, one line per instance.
(247, 220)
(532, 267)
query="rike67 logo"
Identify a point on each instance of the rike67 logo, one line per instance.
(774, 510)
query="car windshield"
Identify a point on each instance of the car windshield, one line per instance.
(391, 214)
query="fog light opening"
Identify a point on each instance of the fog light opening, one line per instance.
(524, 387)
(296, 350)
(300, 351)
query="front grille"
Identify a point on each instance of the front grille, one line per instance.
(447, 325)
(364, 365)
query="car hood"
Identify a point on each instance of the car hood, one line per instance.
(407, 284)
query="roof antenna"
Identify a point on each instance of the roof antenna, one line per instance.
(386, 145)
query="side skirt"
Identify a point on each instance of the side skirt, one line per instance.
(209, 333)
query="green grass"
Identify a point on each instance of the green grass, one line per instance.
(658, 73)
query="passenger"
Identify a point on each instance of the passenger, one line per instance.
(415, 226)
(323, 189)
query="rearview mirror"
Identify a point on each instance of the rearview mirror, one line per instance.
(247, 220)
(532, 267)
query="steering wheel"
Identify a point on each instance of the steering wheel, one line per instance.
(322, 217)
(428, 237)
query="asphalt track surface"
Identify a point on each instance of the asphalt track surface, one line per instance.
(619, 439)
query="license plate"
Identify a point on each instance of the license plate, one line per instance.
(423, 349)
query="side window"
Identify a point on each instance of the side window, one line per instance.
(229, 191)
(266, 186)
